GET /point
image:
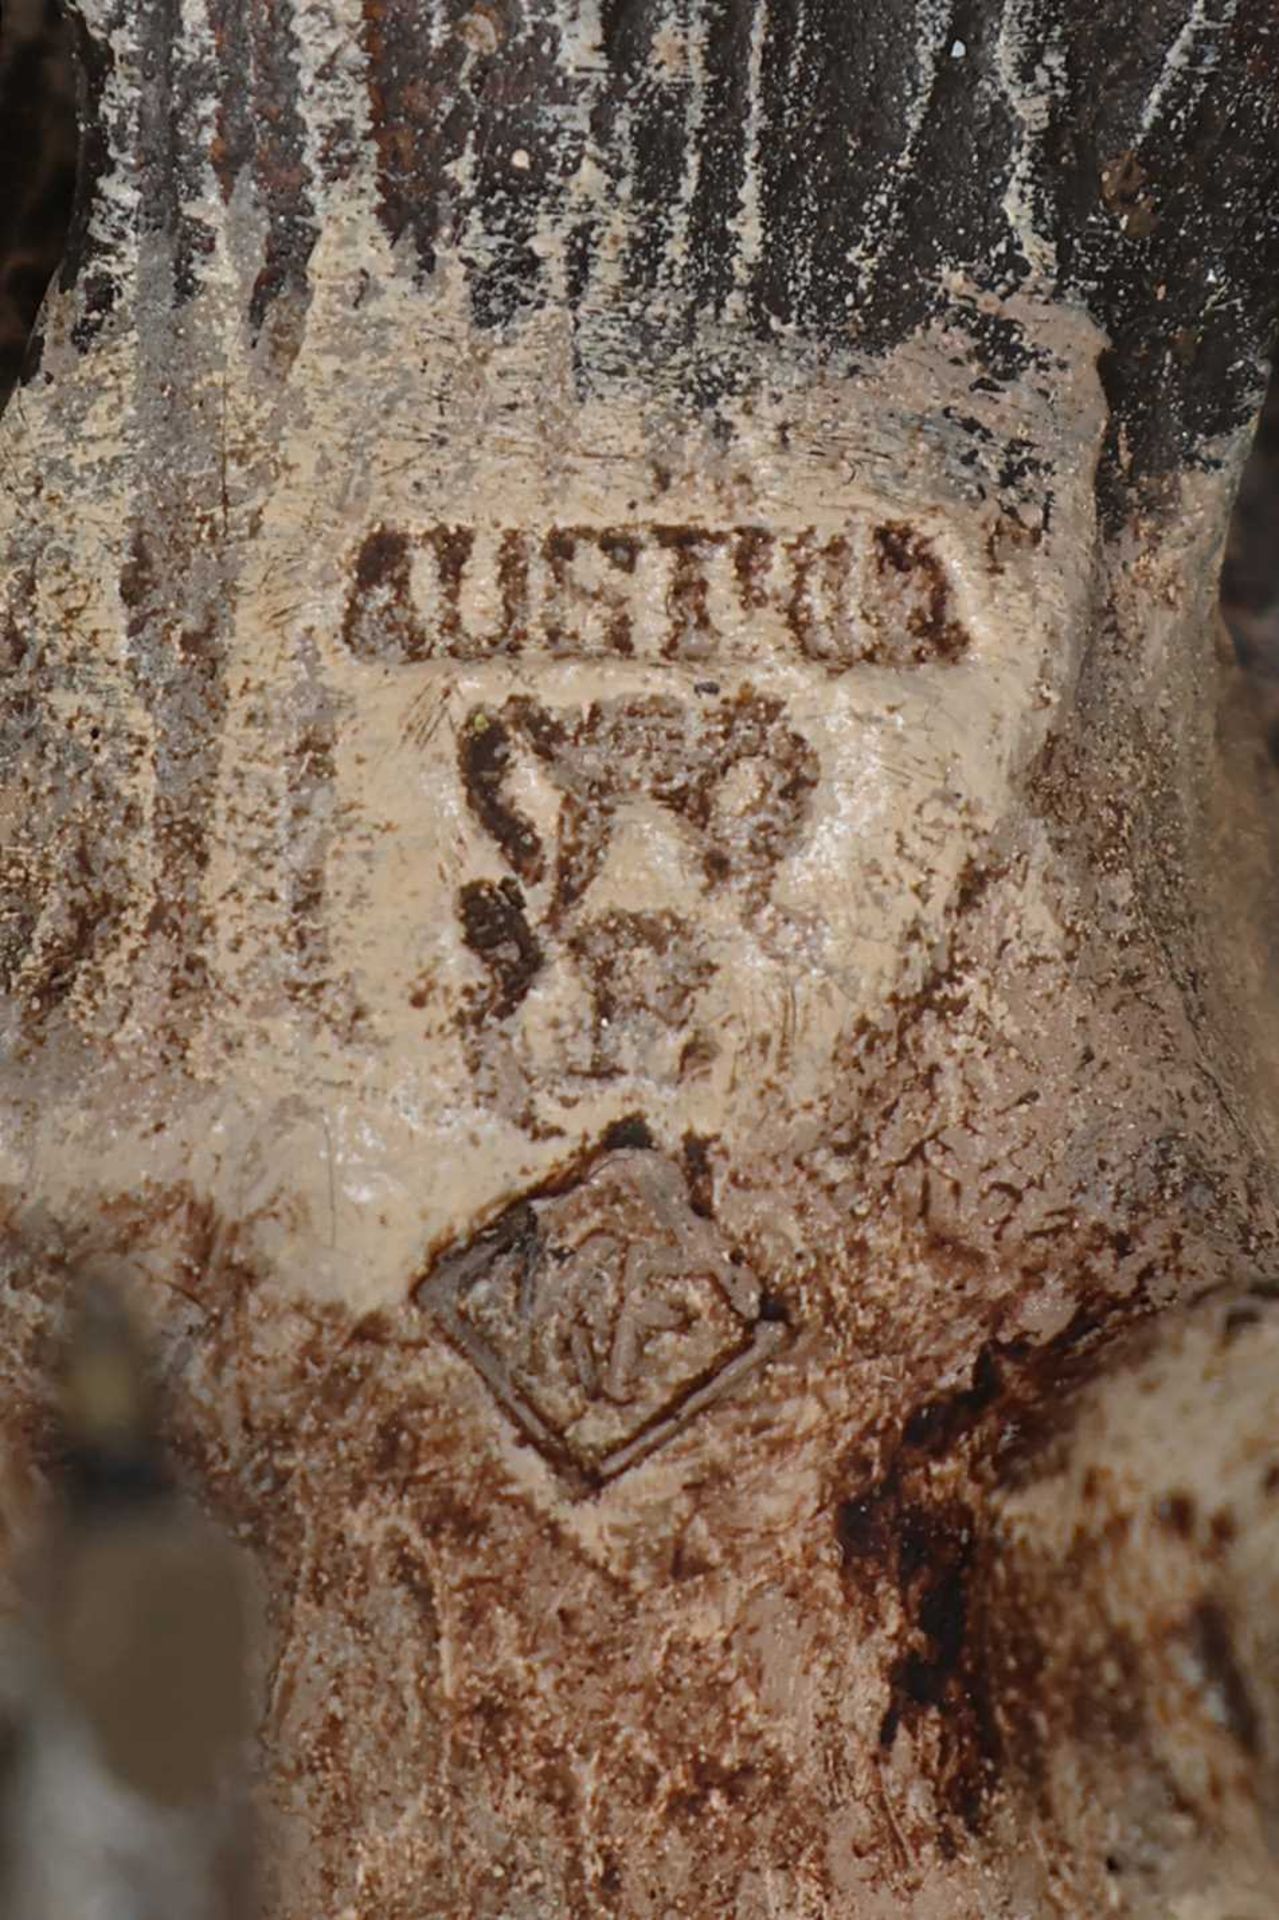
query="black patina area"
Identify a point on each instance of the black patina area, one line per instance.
(1141, 148)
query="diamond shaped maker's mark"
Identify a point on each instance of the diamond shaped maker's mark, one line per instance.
(605, 1315)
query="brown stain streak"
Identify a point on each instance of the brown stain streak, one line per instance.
(312, 773)
(917, 1544)
(1212, 1640)
(179, 672)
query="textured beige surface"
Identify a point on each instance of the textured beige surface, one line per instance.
(842, 795)
(1143, 1566)
(643, 1000)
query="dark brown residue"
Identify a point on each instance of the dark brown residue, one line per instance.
(1176, 1511)
(1239, 1319)
(687, 596)
(177, 668)
(620, 548)
(1212, 1643)
(699, 1173)
(752, 556)
(495, 927)
(260, 125)
(312, 769)
(169, 161)
(1125, 194)
(453, 547)
(512, 580)
(651, 745)
(909, 558)
(380, 622)
(925, 1552)
(485, 756)
(919, 1547)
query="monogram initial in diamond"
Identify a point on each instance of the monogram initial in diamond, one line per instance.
(606, 1316)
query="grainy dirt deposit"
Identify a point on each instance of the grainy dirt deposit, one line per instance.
(614, 885)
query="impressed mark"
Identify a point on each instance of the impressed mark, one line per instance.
(869, 593)
(605, 1316)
